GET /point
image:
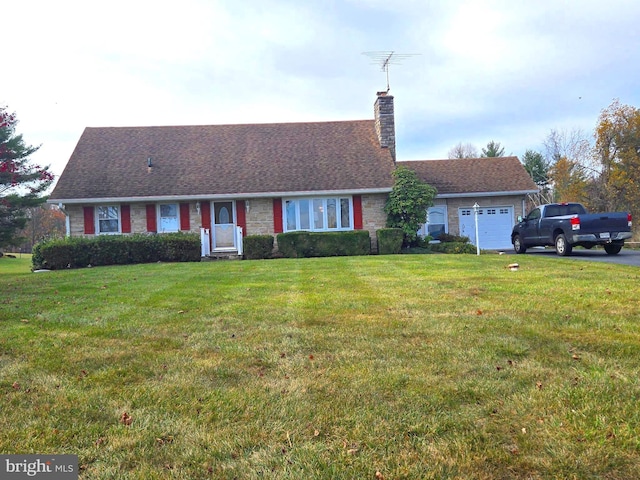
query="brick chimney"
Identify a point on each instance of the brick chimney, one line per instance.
(385, 123)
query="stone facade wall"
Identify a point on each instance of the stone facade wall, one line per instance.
(373, 216)
(76, 220)
(259, 216)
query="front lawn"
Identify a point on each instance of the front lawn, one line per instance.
(399, 366)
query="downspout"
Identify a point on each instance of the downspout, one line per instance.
(67, 223)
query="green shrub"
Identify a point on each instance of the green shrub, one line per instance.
(453, 247)
(390, 240)
(324, 244)
(258, 247)
(447, 238)
(78, 252)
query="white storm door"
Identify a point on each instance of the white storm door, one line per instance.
(223, 226)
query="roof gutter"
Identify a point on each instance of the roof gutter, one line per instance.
(210, 196)
(485, 194)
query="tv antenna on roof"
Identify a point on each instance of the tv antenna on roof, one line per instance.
(386, 58)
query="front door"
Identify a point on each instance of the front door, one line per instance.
(224, 237)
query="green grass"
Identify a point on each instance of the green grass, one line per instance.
(414, 366)
(20, 264)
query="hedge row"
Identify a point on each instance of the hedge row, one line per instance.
(390, 240)
(257, 247)
(76, 252)
(325, 244)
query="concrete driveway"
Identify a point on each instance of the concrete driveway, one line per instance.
(625, 257)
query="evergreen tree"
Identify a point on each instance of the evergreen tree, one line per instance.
(21, 182)
(494, 149)
(407, 205)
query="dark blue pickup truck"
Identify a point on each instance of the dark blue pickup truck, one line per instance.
(566, 225)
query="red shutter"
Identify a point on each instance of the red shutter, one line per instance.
(277, 215)
(185, 223)
(357, 212)
(125, 217)
(89, 221)
(241, 216)
(205, 213)
(151, 218)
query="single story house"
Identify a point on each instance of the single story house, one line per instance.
(229, 181)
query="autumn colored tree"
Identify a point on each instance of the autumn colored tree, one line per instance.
(618, 151)
(570, 181)
(44, 222)
(493, 149)
(22, 184)
(407, 205)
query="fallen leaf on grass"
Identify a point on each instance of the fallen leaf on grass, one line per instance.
(379, 476)
(575, 356)
(126, 419)
(15, 386)
(164, 439)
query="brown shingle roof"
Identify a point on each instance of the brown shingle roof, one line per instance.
(474, 175)
(225, 160)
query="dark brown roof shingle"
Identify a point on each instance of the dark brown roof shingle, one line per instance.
(225, 160)
(474, 175)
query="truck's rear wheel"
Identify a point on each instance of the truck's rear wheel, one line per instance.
(612, 248)
(563, 248)
(518, 246)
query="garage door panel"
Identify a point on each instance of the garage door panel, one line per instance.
(494, 226)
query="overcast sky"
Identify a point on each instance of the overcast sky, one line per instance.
(502, 70)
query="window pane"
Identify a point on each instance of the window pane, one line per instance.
(291, 214)
(304, 214)
(169, 217)
(223, 212)
(108, 213)
(169, 210)
(108, 219)
(345, 217)
(318, 214)
(332, 219)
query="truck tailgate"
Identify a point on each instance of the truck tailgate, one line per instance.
(604, 222)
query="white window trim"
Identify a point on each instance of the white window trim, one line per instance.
(159, 217)
(424, 230)
(97, 219)
(285, 218)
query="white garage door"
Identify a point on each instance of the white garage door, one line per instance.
(494, 226)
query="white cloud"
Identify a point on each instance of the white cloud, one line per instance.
(486, 70)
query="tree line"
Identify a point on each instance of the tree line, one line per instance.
(601, 170)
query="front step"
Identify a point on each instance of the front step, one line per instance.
(223, 256)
